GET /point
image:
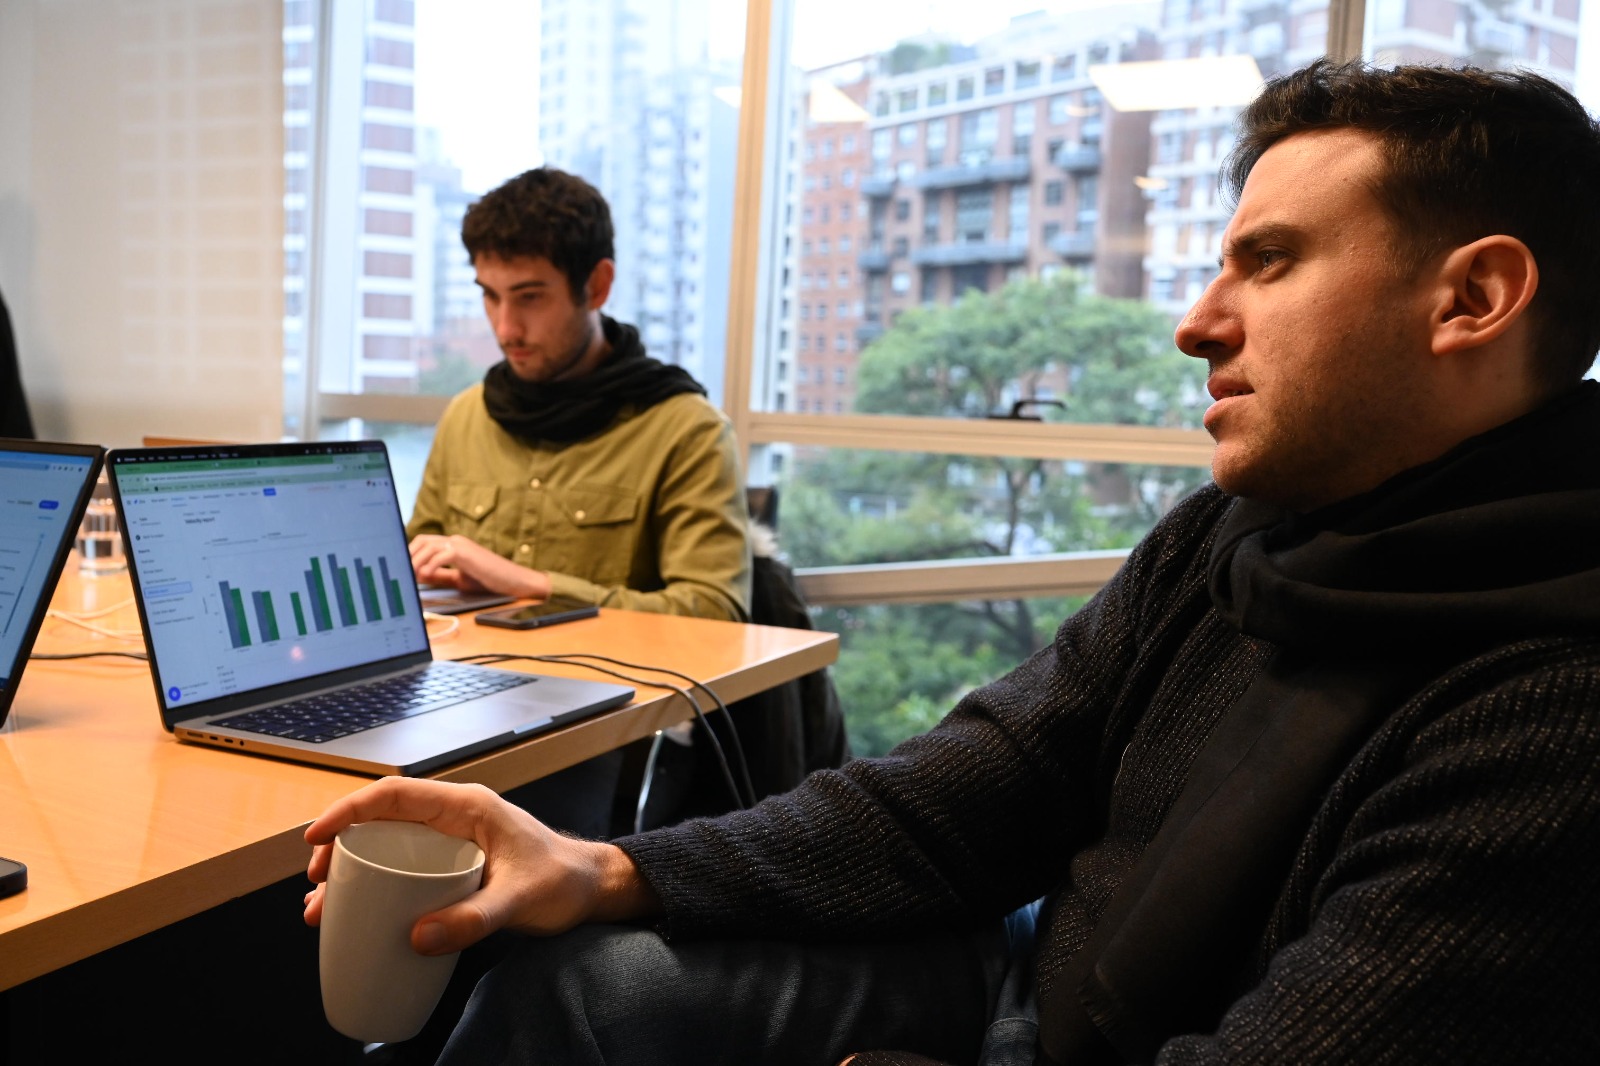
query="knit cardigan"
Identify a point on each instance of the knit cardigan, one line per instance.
(1443, 906)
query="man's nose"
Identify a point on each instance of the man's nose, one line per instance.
(1212, 326)
(505, 325)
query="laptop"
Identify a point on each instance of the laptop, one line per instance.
(281, 615)
(44, 489)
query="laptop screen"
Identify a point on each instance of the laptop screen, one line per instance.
(266, 564)
(43, 491)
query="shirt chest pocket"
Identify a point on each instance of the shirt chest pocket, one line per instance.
(471, 505)
(587, 506)
(604, 532)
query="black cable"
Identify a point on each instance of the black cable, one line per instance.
(733, 730)
(489, 658)
(141, 656)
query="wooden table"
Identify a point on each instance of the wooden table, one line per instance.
(124, 830)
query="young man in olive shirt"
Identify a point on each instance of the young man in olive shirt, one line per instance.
(580, 467)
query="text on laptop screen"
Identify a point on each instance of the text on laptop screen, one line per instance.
(37, 493)
(259, 570)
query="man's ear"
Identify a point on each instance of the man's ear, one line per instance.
(1484, 287)
(598, 289)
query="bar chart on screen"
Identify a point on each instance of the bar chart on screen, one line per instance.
(312, 608)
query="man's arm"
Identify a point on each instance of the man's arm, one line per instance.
(1455, 919)
(535, 880)
(971, 819)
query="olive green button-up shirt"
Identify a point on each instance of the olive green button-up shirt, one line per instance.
(648, 515)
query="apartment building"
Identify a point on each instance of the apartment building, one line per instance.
(970, 165)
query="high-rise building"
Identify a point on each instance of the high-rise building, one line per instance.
(367, 288)
(631, 101)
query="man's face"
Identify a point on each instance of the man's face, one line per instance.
(542, 330)
(1317, 345)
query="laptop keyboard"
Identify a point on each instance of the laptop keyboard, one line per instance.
(329, 716)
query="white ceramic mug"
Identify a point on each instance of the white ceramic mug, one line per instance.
(383, 877)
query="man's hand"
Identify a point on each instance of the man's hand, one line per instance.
(534, 879)
(458, 562)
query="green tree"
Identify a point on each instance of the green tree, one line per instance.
(1108, 360)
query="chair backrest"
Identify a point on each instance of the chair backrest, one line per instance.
(762, 501)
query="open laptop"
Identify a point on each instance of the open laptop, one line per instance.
(44, 489)
(282, 617)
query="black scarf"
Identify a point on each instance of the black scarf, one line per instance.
(565, 411)
(1366, 602)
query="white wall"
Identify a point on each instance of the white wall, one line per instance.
(141, 215)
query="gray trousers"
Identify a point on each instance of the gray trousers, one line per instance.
(620, 995)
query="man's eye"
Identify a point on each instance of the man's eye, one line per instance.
(1271, 257)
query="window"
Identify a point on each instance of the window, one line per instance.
(908, 134)
(1052, 193)
(1022, 115)
(902, 210)
(994, 81)
(1019, 214)
(939, 92)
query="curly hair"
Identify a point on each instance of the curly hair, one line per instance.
(1468, 153)
(544, 213)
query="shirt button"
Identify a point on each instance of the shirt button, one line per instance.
(534, 483)
(478, 509)
(578, 515)
(524, 549)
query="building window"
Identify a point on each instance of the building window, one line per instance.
(1022, 116)
(1019, 213)
(1065, 68)
(994, 81)
(964, 88)
(902, 210)
(1052, 193)
(386, 264)
(386, 138)
(1027, 74)
(938, 94)
(906, 100)
(900, 282)
(908, 134)
(386, 223)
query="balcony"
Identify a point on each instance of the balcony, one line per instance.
(873, 258)
(1078, 157)
(1073, 245)
(878, 186)
(943, 255)
(976, 168)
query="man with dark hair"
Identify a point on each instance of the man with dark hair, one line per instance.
(1313, 779)
(580, 467)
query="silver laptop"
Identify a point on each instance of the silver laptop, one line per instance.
(275, 591)
(44, 489)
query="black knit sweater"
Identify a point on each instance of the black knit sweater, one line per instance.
(1443, 906)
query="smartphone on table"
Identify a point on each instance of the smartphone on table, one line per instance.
(548, 613)
(13, 877)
